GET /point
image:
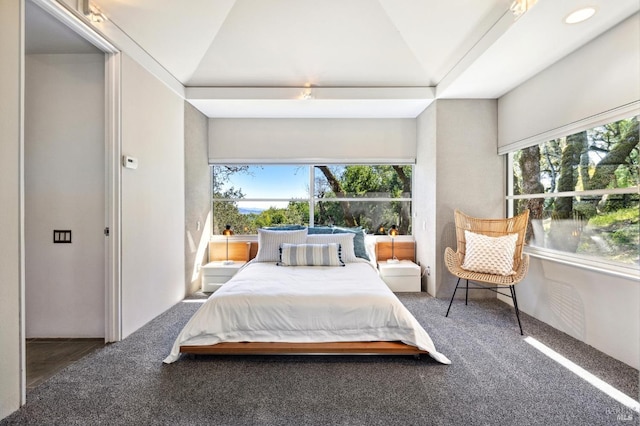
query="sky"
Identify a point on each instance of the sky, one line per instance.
(272, 182)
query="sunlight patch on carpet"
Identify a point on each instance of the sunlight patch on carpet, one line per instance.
(585, 375)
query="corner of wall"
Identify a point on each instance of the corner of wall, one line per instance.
(469, 176)
(424, 200)
(197, 195)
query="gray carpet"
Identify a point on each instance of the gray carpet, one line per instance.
(495, 379)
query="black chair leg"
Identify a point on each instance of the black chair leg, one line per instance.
(466, 295)
(515, 305)
(454, 295)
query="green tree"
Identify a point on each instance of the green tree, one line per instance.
(575, 145)
(357, 180)
(226, 212)
(529, 162)
(339, 192)
(619, 143)
(565, 228)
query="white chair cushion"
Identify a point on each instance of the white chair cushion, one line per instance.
(489, 255)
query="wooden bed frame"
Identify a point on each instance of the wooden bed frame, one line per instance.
(238, 251)
(328, 348)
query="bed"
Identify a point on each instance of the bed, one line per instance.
(271, 307)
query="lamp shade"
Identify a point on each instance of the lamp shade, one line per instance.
(393, 232)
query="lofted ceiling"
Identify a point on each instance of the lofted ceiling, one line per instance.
(329, 43)
(353, 58)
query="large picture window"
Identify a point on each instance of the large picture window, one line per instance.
(582, 193)
(249, 197)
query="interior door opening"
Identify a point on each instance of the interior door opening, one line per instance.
(71, 180)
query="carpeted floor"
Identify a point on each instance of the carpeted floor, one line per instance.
(495, 378)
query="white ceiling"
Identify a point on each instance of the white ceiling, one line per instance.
(263, 53)
(292, 42)
(534, 42)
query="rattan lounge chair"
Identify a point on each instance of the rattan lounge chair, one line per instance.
(485, 281)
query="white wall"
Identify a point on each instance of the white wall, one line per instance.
(308, 140)
(152, 197)
(599, 77)
(424, 196)
(11, 340)
(197, 195)
(152, 201)
(64, 189)
(467, 174)
(597, 308)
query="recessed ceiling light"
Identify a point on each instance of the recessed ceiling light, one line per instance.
(580, 15)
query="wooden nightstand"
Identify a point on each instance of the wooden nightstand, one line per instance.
(215, 274)
(401, 276)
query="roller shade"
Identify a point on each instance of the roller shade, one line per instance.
(596, 84)
(311, 141)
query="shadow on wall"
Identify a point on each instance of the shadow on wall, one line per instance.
(567, 307)
(447, 281)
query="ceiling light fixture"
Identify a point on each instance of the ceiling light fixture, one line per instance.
(580, 15)
(519, 7)
(306, 93)
(92, 12)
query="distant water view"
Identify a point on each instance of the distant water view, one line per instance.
(250, 210)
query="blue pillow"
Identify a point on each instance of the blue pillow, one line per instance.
(358, 239)
(313, 230)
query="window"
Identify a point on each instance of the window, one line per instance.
(374, 197)
(582, 193)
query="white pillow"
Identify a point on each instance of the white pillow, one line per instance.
(310, 255)
(347, 251)
(490, 255)
(269, 243)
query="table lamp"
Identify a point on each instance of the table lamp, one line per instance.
(227, 233)
(393, 233)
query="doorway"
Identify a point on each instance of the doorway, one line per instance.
(70, 142)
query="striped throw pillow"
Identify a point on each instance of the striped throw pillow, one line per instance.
(310, 255)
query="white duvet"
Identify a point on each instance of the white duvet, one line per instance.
(301, 304)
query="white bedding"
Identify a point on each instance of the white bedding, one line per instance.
(301, 304)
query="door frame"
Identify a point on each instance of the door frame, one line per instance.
(112, 145)
(113, 217)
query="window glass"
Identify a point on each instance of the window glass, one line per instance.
(371, 192)
(248, 197)
(277, 182)
(582, 192)
(376, 217)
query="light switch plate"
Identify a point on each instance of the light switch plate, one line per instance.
(129, 162)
